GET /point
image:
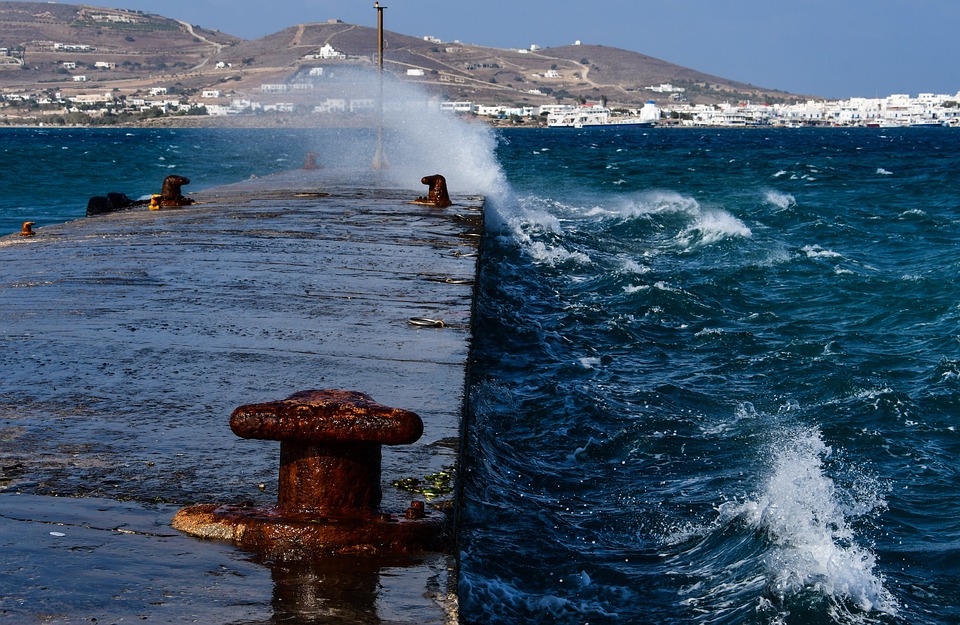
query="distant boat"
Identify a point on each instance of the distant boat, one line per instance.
(927, 123)
(586, 116)
(881, 123)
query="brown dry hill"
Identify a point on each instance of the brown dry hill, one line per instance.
(151, 50)
(44, 37)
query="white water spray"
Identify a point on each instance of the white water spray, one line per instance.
(807, 520)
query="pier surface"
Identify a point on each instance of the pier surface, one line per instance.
(126, 340)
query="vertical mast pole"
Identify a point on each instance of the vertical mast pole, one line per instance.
(379, 160)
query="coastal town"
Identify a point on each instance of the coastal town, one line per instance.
(79, 84)
(53, 108)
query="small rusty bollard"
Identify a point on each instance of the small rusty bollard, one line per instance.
(416, 510)
(170, 192)
(27, 229)
(437, 196)
(329, 491)
(311, 161)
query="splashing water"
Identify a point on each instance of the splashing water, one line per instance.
(780, 200)
(808, 522)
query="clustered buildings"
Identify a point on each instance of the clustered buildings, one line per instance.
(301, 97)
(927, 109)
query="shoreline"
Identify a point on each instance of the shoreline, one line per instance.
(279, 121)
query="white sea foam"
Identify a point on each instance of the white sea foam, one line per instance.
(712, 226)
(633, 267)
(815, 251)
(554, 255)
(883, 172)
(653, 203)
(913, 212)
(780, 200)
(696, 226)
(807, 518)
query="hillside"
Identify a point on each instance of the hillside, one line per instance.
(79, 48)
(40, 38)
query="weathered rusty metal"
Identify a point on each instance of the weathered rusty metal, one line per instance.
(417, 510)
(438, 195)
(27, 229)
(329, 447)
(170, 194)
(329, 489)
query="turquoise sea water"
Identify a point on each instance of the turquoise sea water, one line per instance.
(717, 372)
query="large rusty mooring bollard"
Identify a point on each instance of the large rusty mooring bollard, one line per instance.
(329, 490)
(437, 195)
(170, 194)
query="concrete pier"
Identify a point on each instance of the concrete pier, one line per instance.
(127, 339)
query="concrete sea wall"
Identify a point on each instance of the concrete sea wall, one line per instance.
(127, 339)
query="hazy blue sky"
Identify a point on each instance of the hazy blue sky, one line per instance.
(829, 48)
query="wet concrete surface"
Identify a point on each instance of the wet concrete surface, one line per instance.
(127, 339)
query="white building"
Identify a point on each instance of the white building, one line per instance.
(331, 105)
(666, 88)
(91, 98)
(73, 47)
(112, 17)
(329, 52)
(457, 107)
(218, 110)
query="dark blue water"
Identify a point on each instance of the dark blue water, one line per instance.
(48, 175)
(717, 381)
(717, 372)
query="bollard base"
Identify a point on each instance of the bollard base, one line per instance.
(293, 535)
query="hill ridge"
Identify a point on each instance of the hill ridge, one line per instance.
(128, 49)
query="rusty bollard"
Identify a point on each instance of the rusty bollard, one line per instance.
(437, 196)
(27, 229)
(329, 491)
(170, 192)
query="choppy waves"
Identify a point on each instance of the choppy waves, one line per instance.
(730, 399)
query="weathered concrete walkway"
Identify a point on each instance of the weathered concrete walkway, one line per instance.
(125, 342)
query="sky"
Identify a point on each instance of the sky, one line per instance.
(828, 48)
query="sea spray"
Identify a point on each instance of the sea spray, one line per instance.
(808, 521)
(780, 200)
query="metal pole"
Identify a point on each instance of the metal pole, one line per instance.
(379, 160)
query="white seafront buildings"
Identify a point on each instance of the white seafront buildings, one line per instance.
(926, 109)
(898, 110)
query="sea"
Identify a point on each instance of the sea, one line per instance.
(715, 374)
